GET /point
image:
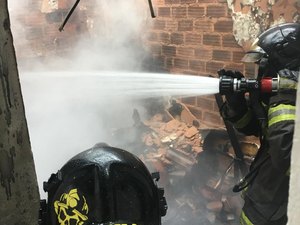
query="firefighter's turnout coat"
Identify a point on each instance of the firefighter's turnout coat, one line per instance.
(266, 194)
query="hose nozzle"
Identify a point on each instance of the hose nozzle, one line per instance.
(228, 85)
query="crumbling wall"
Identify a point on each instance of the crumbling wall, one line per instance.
(202, 36)
(251, 17)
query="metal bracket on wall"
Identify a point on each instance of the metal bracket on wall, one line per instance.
(151, 9)
(61, 28)
(68, 16)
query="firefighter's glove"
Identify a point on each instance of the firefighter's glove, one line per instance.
(288, 80)
(235, 99)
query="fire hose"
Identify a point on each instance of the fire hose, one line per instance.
(229, 84)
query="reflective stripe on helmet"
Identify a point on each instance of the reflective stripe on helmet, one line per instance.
(244, 121)
(281, 113)
(244, 220)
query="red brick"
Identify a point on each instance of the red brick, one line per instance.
(213, 67)
(235, 66)
(197, 65)
(228, 40)
(50, 30)
(189, 100)
(212, 118)
(216, 107)
(204, 25)
(164, 11)
(205, 103)
(164, 37)
(212, 39)
(158, 62)
(203, 53)
(185, 25)
(216, 11)
(185, 51)
(152, 36)
(196, 112)
(207, 1)
(224, 26)
(171, 25)
(172, 1)
(155, 49)
(181, 63)
(159, 25)
(221, 55)
(169, 62)
(179, 12)
(237, 56)
(188, 1)
(195, 11)
(190, 72)
(177, 38)
(169, 50)
(193, 39)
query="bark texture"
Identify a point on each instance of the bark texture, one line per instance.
(19, 197)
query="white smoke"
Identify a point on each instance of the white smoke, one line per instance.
(63, 121)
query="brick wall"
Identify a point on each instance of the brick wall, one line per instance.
(195, 37)
(36, 34)
(187, 36)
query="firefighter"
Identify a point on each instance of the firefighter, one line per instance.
(271, 117)
(103, 185)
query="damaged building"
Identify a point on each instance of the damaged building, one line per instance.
(60, 45)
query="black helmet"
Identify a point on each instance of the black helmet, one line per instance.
(104, 185)
(280, 44)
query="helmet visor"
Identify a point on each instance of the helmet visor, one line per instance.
(255, 53)
(252, 57)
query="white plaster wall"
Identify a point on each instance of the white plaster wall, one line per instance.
(294, 195)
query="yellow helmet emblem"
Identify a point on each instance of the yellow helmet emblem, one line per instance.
(71, 209)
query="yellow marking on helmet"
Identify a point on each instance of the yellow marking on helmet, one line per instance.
(71, 206)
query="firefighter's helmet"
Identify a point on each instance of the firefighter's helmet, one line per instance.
(280, 44)
(104, 185)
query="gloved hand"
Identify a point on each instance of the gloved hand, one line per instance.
(235, 99)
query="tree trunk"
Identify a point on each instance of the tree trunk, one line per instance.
(19, 197)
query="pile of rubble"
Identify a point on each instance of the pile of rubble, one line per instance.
(197, 166)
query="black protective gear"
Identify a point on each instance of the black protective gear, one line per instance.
(234, 100)
(280, 44)
(104, 185)
(266, 195)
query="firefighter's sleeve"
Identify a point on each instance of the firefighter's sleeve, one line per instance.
(242, 118)
(281, 122)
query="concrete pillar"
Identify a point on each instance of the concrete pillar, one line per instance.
(19, 197)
